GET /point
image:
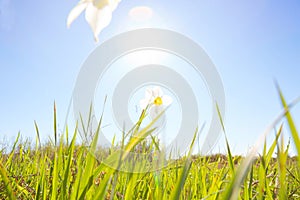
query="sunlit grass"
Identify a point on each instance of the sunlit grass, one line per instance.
(64, 169)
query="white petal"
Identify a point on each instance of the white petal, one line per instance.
(167, 100)
(98, 18)
(157, 92)
(114, 4)
(148, 94)
(144, 103)
(75, 12)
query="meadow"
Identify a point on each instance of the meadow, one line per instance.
(64, 169)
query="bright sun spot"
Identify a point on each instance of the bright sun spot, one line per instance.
(141, 13)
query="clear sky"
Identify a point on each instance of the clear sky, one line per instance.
(250, 42)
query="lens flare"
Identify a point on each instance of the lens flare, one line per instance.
(141, 13)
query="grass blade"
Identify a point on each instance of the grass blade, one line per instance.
(6, 181)
(55, 125)
(291, 123)
(185, 171)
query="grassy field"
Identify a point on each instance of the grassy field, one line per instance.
(63, 169)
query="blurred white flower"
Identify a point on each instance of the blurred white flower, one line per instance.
(156, 100)
(98, 13)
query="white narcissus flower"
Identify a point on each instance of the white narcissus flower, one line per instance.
(156, 100)
(98, 13)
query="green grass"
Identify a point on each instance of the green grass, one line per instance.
(64, 169)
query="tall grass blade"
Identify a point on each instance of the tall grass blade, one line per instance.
(7, 183)
(231, 163)
(291, 123)
(87, 179)
(67, 174)
(185, 171)
(54, 178)
(282, 158)
(37, 135)
(232, 191)
(55, 125)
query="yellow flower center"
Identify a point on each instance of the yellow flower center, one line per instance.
(158, 101)
(100, 3)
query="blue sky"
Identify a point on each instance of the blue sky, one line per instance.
(250, 42)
